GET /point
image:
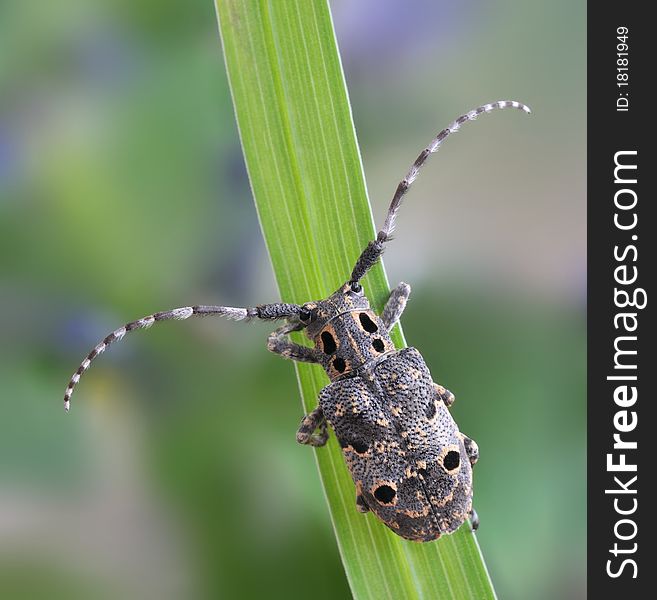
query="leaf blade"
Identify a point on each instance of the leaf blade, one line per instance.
(305, 171)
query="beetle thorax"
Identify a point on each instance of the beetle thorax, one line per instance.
(350, 340)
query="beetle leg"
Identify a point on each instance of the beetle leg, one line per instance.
(309, 424)
(445, 395)
(395, 305)
(361, 505)
(474, 520)
(280, 344)
(471, 449)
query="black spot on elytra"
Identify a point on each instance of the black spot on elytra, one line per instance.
(378, 345)
(328, 343)
(452, 460)
(367, 323)
(360, 447)
(431, 410)
(385, 494)
(339, 364)
(422, 473)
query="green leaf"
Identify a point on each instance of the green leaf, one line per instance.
(306, 175)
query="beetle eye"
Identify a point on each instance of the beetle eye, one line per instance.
(356, 287)
(307, 314)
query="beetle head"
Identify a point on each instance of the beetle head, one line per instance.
(348, 297)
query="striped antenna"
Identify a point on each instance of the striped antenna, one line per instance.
(177, 314)
(374, 249)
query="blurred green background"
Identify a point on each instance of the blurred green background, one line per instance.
(123, 191)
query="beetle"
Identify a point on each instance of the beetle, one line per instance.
(410, 464)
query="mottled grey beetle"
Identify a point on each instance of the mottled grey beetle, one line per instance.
(411, 465)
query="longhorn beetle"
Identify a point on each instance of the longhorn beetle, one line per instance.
(411, 465)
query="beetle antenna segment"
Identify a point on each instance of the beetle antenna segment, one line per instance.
(265, 311)
(375, 248)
